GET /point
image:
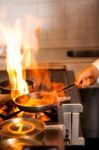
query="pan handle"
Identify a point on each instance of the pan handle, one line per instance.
(66, 88)
(5, 117)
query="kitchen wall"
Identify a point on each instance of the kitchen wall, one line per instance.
(64, 23)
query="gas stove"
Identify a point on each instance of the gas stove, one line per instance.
(62, 126)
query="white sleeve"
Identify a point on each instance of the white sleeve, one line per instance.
(96, 64)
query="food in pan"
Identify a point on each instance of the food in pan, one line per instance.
(40, 98)
(53, 97)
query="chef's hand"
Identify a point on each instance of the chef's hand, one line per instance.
(87, 77)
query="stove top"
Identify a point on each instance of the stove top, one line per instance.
(59, 121)
(57, 75)
(31, 134)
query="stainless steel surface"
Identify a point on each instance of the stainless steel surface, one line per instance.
(70, 116)
(21, 127)
(72, 108)
(53, 136)
(17, 143)
(68, 125)
(76, 139)
(59, 127)
(56, 126)
(71, 112)
(64, 99)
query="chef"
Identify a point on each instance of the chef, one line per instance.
(88, 76)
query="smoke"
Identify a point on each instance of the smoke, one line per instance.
(29, 27)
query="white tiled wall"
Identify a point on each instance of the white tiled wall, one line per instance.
(65, 23)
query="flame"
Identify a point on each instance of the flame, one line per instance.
(20, 127)
(14, 62)
(41, 78)
(19, 52)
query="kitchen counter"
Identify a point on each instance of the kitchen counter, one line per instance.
(59, 56)
(56, 56)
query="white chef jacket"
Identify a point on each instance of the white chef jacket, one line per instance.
(96, 64)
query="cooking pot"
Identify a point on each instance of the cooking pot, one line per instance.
(6, 89)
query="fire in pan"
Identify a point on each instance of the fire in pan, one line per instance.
(39, 101)
(36, 101)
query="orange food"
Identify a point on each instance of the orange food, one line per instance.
(46, 99)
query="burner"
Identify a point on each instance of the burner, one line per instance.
(17, 143)
(19, 127)
(23, 127)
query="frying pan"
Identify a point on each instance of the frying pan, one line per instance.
(38, 101)
(37, 108)
(36, 104)
(5, 86)
(37, 97)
